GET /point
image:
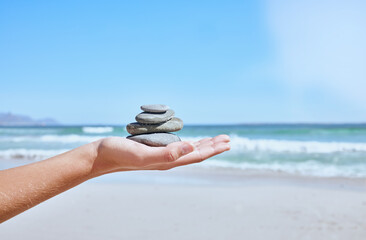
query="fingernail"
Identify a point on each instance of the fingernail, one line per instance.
(186, 148)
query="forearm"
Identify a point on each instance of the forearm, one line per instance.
(24, 187)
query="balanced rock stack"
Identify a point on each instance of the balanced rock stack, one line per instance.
(154, 125)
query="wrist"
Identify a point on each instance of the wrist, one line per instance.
(88, 157)
(96, 159)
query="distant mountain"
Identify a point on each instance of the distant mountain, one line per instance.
(10, 119)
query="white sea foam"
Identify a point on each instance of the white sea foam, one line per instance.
(241, 144)
(238, 144)
(71, 138)
(32, 154)
(308, 168)
(97, 129)
(68, 138)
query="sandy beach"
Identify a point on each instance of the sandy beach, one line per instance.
(196, 203)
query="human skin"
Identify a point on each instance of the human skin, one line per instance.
(26, 186)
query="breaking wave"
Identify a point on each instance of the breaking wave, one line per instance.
(97, 129)
(307, 168)
(29, 154)
(241, 144)
(71, 138)
(311, 158)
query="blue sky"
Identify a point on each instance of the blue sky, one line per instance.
(89, 62)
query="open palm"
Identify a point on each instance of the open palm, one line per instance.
(121, 154)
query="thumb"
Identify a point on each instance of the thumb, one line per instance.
(173, 151)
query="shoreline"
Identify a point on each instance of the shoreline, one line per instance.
(208, 177)
(212, 175)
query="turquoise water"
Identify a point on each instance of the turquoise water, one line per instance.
(315, 150)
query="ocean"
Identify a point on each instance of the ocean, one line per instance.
(321, 150)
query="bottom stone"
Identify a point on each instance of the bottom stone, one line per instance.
(155, 139)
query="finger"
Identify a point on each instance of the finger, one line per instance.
(204, 149)
(206, 143)
(202, 141)
(202, 154)
(221, 138)
(196, 156)
(212, 141)
(170, 153)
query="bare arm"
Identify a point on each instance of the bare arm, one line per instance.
(24, 187)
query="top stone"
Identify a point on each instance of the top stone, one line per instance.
(154, 108)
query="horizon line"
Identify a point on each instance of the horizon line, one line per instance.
(189, 124)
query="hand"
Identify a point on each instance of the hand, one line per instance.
(24, 187)
(116, 154)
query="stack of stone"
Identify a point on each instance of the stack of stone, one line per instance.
(154, 125)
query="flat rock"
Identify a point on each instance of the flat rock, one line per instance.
(154, 118)
(173, 125)
(154, 108)
(155, 139)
